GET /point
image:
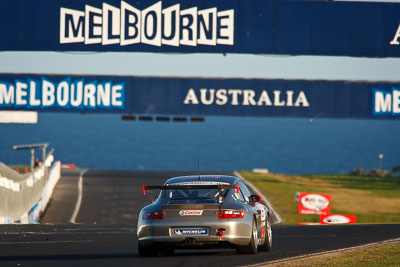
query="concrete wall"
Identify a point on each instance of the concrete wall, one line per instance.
(24, 196)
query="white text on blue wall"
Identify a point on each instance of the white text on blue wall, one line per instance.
(386, 102)
(67, 94)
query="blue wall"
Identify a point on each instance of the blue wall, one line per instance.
(200, 96)
(203, 26)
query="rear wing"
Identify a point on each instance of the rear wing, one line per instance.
(196, 186)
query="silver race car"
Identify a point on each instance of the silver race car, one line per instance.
(207, 211)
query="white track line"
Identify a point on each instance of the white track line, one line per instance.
(79, 200)
(265, 199)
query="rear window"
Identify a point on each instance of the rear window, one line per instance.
(186, 196)
(193, 194)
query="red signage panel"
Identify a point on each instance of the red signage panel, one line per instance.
(314, 203)
(337, 219)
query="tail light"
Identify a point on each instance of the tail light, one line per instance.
(155, 215)
(230, 214)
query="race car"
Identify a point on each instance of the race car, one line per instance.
(204, 211)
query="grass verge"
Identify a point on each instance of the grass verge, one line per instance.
(378, 255)
(371, 199)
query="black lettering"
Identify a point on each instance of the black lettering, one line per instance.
(75, 28)
(187, 27)
(154, 31)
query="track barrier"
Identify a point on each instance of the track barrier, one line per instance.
(24, 196)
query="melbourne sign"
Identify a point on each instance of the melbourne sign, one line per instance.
(200, 96)
(79, 94)
(155, 25)
(331, 28)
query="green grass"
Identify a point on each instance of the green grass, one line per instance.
(379, 255)
(379, 186)
(371, 199)
(387, 255)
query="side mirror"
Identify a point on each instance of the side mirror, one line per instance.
(255, 198)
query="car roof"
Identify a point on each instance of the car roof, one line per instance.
(214, 178)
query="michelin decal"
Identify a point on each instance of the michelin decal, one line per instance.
(67, 94)
(155, 25)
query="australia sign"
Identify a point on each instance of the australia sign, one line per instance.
(299, 27)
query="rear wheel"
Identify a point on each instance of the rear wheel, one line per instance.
(267, 238)
(149, 251)
(251, 248)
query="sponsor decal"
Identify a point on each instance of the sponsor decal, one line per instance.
(337, 219)
(246, 97)
(313, 203)
(386, 102)
(191, 212)
(66, 94)
(155, 25)
(263, 214)
(190, 231)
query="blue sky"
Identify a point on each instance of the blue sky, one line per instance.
(202, 65)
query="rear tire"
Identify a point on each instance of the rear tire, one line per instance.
(251, 248)
(267, 237)
(149, 251)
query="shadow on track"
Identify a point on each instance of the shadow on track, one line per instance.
(70, 257)
(99, 256)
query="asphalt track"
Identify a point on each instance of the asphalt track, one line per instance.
(105, 229)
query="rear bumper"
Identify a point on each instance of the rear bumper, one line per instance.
(236, 232)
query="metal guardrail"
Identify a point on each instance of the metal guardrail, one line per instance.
(32, 147)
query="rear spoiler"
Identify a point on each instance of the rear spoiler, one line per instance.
(197, 186)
